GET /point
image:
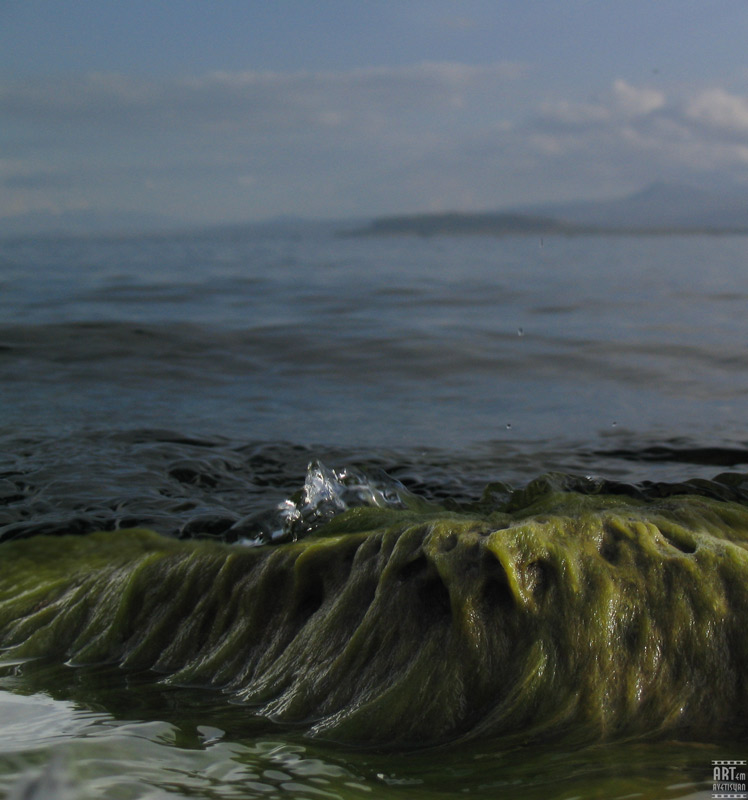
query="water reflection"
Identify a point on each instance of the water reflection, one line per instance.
(54, 748)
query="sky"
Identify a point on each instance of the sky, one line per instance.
(229, 111)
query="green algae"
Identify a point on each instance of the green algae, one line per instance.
(605, 616)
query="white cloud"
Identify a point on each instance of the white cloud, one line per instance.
(720, 110)
(634, 102)
(621, 102)
(639, 134)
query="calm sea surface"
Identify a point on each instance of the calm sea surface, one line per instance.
(184, 383)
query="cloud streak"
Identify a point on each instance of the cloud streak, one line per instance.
(363, 141)
(278, 99)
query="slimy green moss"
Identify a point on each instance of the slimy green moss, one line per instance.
(604, 615)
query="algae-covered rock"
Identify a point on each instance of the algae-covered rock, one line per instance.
(603, 615)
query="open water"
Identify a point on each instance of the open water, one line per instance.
(185, 383)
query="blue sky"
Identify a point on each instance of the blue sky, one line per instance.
(227, 111)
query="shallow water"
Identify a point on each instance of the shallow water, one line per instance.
(184, 383)
(159, 742)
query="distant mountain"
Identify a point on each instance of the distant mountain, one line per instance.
(84, 223)
(460, 224)
(658, 206)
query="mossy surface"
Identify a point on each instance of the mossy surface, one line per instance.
(604, 615)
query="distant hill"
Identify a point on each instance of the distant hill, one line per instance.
(461, 224)
(660, 205)
(661, 208)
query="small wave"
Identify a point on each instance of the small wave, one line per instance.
(681, 452)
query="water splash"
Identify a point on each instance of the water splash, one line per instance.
(328, 492)
(325, 494)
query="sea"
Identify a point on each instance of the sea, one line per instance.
(188, 383)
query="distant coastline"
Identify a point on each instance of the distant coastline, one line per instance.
(660, 209)
(512, 224)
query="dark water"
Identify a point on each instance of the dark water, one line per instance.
(184, 383)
